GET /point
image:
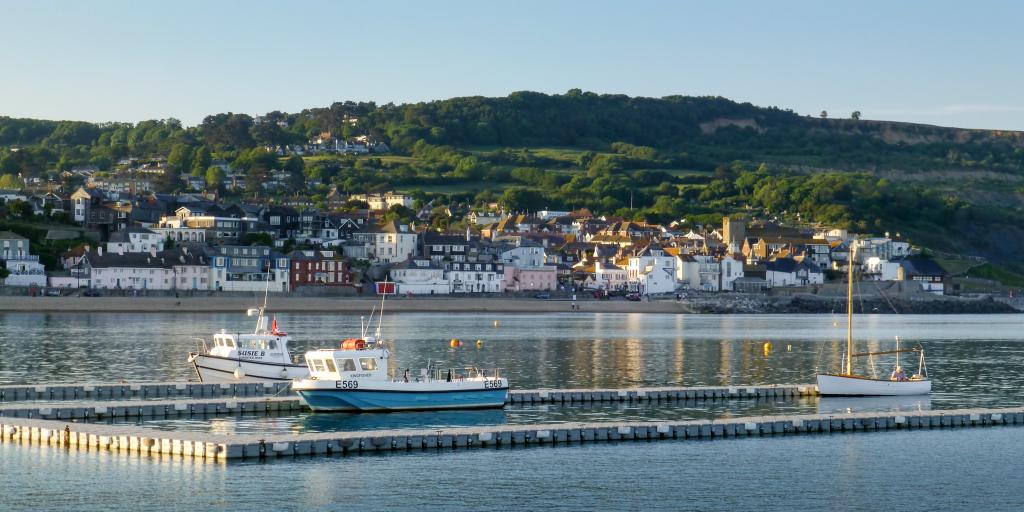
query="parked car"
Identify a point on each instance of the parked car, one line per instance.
(90, 293)
(635, 297)
(542, 296)
(52, 292)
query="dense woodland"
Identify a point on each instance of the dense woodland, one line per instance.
(657, 159)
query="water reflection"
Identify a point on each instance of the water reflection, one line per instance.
(974, 359)
(840, 404)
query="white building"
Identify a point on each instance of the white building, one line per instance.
(877, 269)
(24, 268)
(129, 271)
(611, 277)
(528, 254)
(420, 276)
(475, 277)
(789, 272)
(652, 271)
(134, 239)
(389, 243)
(708, 273)
(385, 201)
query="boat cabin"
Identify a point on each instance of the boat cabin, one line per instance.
(263, 346)
(358, 359)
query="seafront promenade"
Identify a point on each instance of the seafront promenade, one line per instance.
(360, 305)
(713, 303)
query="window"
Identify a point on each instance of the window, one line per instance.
(272, 345)
(229, 343)
(348, 365)
(330, 365)
(368, 363)
(318, 365)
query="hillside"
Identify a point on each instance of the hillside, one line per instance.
(662, 159)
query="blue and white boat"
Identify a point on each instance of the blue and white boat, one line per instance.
(355, 378)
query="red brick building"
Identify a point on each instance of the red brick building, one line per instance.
(317, 268)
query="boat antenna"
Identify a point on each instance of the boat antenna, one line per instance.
(266, 296)
(380, 315)
(849, 307)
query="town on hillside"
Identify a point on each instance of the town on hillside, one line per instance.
(131, 241)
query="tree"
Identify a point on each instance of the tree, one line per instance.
(295, 168)
(855, 115)
(201, 161)
(10, 182)
(180, 159)
(522, 199)
(19, 208)
(215, 177)
(823, 114)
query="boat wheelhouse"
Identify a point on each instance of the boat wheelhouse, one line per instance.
(260, 356)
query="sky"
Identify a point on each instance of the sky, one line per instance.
(936, 62)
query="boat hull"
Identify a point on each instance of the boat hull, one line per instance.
(844, 385)
(221, 369)
(403, 397)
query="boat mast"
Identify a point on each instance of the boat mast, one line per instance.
(849, 309)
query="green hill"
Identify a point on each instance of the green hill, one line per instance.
(661, 159)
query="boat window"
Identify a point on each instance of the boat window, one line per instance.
(318, 365)
(219, 342)
(330, 365)
(348, 365)
(229, 343)
(368, 363)
(273, 345)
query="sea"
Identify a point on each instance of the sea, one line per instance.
(975, 361)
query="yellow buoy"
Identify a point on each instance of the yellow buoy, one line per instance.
(455, 343)
(479, 343)
(768, 346)
(789, 348)
(497, 323)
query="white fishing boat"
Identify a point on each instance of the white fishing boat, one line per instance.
(848, 383)
(260, 356)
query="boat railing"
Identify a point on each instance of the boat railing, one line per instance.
(468, 372)
(201, 347)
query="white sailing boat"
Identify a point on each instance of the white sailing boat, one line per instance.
(847, 383)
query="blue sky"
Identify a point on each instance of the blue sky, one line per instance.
(945, 63)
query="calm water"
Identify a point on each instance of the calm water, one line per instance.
(976, 361)
(972, 469)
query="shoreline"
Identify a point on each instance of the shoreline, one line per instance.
(735, 304)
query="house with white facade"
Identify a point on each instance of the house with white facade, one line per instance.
(388, 243)
(467, 277)
(877, 269)
(610, 277)
(420, 276)
(527, 254)
(134, 239)
(652, 270)
(129, 271)
(708, 273)
(790, 272)
(23, 267)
